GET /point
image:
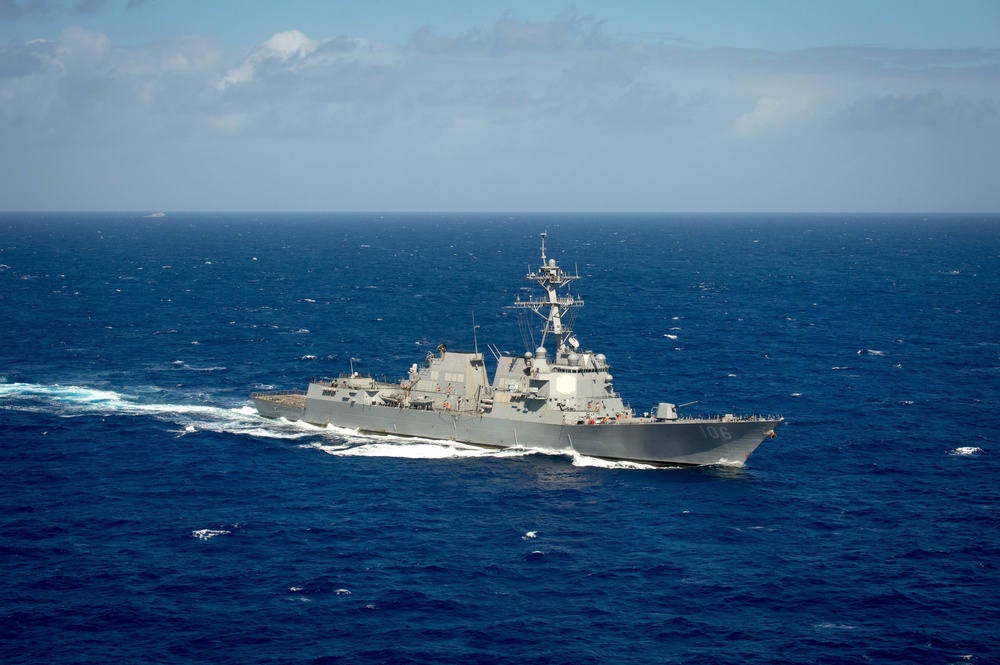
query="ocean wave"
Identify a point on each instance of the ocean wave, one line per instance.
(181, 365)
(72, 401)
(57, 394)
(967, 450)
(206, 534)
(834, 626)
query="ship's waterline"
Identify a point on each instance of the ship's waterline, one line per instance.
(558, 401)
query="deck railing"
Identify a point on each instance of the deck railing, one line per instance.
(276, 393)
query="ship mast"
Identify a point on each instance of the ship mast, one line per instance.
(552, 278)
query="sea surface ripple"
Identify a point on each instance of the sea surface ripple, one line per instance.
(149, 515)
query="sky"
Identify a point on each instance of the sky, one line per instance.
(441, 105)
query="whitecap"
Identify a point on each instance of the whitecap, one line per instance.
(205, 534)
(342, 592)
(529, 535)
(834, 626)
(185, 366)
(968, 450)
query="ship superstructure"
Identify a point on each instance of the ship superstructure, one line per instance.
(562, 401)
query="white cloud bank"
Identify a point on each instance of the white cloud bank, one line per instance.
(526, 116)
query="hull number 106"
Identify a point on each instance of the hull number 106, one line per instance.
(713, 432)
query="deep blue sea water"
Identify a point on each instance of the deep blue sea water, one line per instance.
(148, 515)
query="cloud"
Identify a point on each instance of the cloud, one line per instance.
(930, 110)
(11, 10)
(89, 6)
(766, 114)
(292, 52)
(283, 47)
(82, 88)
(538, 115)
(509, 34)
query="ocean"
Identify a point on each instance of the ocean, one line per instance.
(150, 516)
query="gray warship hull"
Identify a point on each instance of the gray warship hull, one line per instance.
(683, 442)
(563, 402)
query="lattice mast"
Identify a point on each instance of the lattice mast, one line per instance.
(552, 278)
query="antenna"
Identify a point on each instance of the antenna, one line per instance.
(475, 341)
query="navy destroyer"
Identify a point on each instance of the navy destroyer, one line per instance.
(563, 400)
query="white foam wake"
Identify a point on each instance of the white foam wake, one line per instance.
(350, 443)
(74, 401)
